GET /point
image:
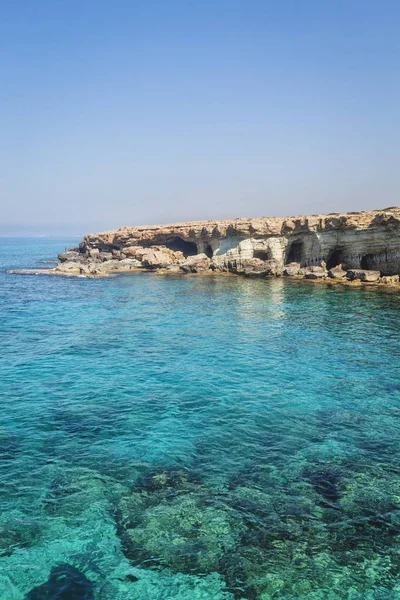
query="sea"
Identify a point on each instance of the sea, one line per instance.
(188, 437)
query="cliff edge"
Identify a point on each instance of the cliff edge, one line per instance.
(316, 246)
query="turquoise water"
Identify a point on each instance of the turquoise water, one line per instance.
(183, 437)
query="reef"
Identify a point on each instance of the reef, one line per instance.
(331, 526)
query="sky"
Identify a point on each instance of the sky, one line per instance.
(117, 113)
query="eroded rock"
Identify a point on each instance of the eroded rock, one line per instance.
(337, 272)
(255, 267)
(291, 269)
(316, 272)
(195, 264)
(363, 275)
(390, 279)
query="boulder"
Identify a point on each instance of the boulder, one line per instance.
(194, 264)
(390, 279)
(315, 272)
(315, 269)
(291, 269)
(156, 260)
(69, 267)
(255, 267)
(337, 272)
(363, 275)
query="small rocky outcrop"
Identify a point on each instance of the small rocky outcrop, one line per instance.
(390, 279)
(196, 264)
(255, 267)
(292, 269)
(316, 272)
(156, 260)
(337, 272)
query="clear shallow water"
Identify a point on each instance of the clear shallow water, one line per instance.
(212, 438)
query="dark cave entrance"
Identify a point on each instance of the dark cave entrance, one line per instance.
(367, 261)
(177, 244)
(295, 252)
(262, 254)
(335, 259)
(208, 251)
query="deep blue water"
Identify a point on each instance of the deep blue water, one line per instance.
(188, 437)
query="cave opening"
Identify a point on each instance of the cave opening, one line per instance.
(177, 244)
(208, 251)
(295, 252)
(367, 261)
(262, 254)
(335, 258)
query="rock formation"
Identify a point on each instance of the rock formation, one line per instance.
(358, 246)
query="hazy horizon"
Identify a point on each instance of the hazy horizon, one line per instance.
(135, 114)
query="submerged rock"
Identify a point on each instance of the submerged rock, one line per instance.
(170, 521)
(17, 531)
(325, 480)
(64, 583)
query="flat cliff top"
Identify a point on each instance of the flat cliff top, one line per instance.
(387, 217)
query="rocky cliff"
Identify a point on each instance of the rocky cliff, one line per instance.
(363, 241)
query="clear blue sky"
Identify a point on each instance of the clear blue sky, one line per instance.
(127, 112)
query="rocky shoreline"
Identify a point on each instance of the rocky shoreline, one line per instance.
(350, 248)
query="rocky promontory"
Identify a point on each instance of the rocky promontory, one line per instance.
(355, 246)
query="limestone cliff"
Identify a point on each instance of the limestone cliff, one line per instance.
(367, 240)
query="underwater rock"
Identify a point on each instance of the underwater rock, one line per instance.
(325, 479)
(65, 583)
(170, 521)
(185, 534)
(288, 534)
(17, 531)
